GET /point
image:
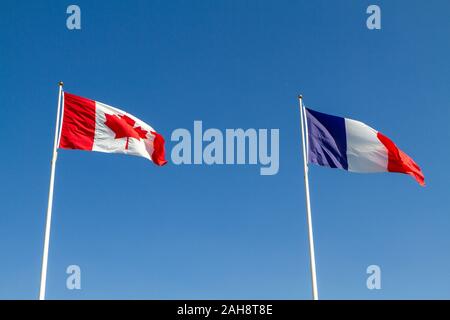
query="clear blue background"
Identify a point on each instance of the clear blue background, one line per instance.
(197, 232)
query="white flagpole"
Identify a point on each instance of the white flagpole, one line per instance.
(50, 200)
(305, 147)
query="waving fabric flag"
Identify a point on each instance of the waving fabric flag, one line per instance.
(94, 126)
(351, 145)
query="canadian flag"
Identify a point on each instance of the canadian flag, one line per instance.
(94, 126)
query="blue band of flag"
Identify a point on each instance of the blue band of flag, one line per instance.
(327, 140)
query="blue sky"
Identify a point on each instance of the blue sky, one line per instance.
(211, 232)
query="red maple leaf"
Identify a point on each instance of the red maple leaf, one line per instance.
(123, 127)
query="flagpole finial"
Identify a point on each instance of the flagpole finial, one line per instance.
(300, 96)
(61, 83)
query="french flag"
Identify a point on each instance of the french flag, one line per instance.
(351, 145)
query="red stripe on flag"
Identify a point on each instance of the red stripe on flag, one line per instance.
(78, 127)
(158, 155)
(398, 161)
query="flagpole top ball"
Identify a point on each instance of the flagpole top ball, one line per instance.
(300, 96)
(61, 83)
